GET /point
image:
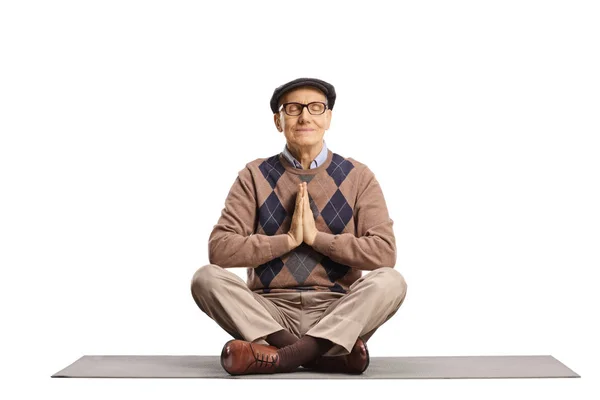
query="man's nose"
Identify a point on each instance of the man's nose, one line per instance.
(304, 115)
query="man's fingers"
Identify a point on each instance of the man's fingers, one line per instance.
(299, 201)
(305, 196)
(298, 197)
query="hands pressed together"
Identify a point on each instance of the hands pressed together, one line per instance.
(303, 227)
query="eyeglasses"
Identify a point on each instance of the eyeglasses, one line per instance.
(295, 109)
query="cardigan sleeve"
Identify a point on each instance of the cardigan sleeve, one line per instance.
(374, 245)
(232, 242)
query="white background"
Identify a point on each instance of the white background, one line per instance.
(123, 125)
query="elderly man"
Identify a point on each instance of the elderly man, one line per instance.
(305, 223)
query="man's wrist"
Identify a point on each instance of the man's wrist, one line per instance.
(323, 242)
(310, 240)
(280, 244)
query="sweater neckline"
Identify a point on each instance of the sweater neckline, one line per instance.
(311, 171)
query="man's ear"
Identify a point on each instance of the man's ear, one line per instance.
(328, 118)
(277, 122)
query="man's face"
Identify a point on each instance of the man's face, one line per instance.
(304, 130)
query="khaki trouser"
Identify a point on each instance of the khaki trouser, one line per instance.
(341, 318)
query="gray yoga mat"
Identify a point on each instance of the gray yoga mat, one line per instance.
(446, 367)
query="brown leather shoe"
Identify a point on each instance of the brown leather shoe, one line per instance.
(239, 357)
(354, 363)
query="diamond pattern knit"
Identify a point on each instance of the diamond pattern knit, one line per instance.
(355, 231)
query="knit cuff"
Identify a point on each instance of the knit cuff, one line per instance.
(324, 243)
(280, 245)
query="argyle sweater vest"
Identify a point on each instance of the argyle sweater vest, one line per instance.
(355, 232)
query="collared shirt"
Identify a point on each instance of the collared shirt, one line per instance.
(320, 159)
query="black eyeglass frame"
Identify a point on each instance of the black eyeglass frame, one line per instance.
(282, 107)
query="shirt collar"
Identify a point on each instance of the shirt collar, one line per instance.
(319, 160)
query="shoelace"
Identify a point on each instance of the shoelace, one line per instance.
(264, 360)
